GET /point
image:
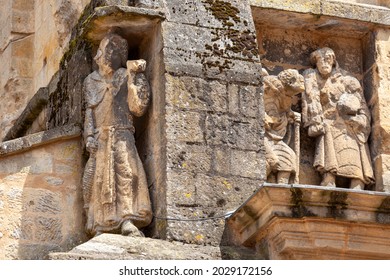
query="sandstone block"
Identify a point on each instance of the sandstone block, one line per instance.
(23, 21)
(189, 157)
(182, 14)
(234, 99)
(221, 160)
(185, 126)
(48, 230)
(241, 133)
(247, 164)
(181, 189)
(250, 101)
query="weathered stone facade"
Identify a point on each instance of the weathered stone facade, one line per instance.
(201, 141)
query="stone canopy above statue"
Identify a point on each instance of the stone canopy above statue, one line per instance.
(133, 21)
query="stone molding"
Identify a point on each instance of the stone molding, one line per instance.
(366, 13)
(38, 139)
(310, 222)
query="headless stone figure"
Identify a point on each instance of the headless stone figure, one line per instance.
(281, 159)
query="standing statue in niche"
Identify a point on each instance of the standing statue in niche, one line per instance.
(116, 194)
(336, 114)
(282, 160)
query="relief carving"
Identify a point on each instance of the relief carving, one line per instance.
(115, 189)
(281, 159)
(335, 111)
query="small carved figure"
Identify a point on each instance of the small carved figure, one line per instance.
(336, 114)
(281, 159)
(116, 194)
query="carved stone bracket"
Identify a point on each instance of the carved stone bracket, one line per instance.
(309, 222)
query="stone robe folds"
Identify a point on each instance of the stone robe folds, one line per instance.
(279, 156)
(342, 149)
(118, 188)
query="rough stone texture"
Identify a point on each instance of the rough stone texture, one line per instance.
(40, 203)
(201, 142)
(379, 75)
(117, 247)
(213, 116)
(308, 222)
(34, 37)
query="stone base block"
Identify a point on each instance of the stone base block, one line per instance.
(118, 247)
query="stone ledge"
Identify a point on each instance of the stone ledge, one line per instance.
(360, 12)
(132, 20)
(118, 247)
(38, 139)
(310, 222)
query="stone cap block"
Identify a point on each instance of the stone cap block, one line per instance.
(38, 139)
(131, 20)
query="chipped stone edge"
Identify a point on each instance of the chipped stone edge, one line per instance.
(38, 139)
(128, 10)
(362, 12)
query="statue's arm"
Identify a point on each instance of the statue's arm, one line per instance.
(139, 93)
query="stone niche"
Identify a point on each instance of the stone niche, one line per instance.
(142, 29)
(286, 40)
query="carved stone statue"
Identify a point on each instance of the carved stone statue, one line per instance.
(115, 189)
(281, 159)
(336, 114)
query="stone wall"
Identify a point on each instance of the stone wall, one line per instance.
(34, 36)
(379, 73)
(41, 208)
(213, 116)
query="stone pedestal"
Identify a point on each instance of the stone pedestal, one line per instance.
(309, 222)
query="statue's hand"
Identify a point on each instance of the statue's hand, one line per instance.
(91, 145)
(316, 130)
(295, 117)
(355, 121)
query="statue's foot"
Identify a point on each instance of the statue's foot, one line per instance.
(283, 177)
(129, 229)
(329, 180)
(356, 184)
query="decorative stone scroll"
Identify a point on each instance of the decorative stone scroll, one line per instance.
(282, 160)
(336, 115)
(115, 188)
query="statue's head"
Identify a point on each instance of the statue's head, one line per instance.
(112, 53)
(324, 60)
(292, 81)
